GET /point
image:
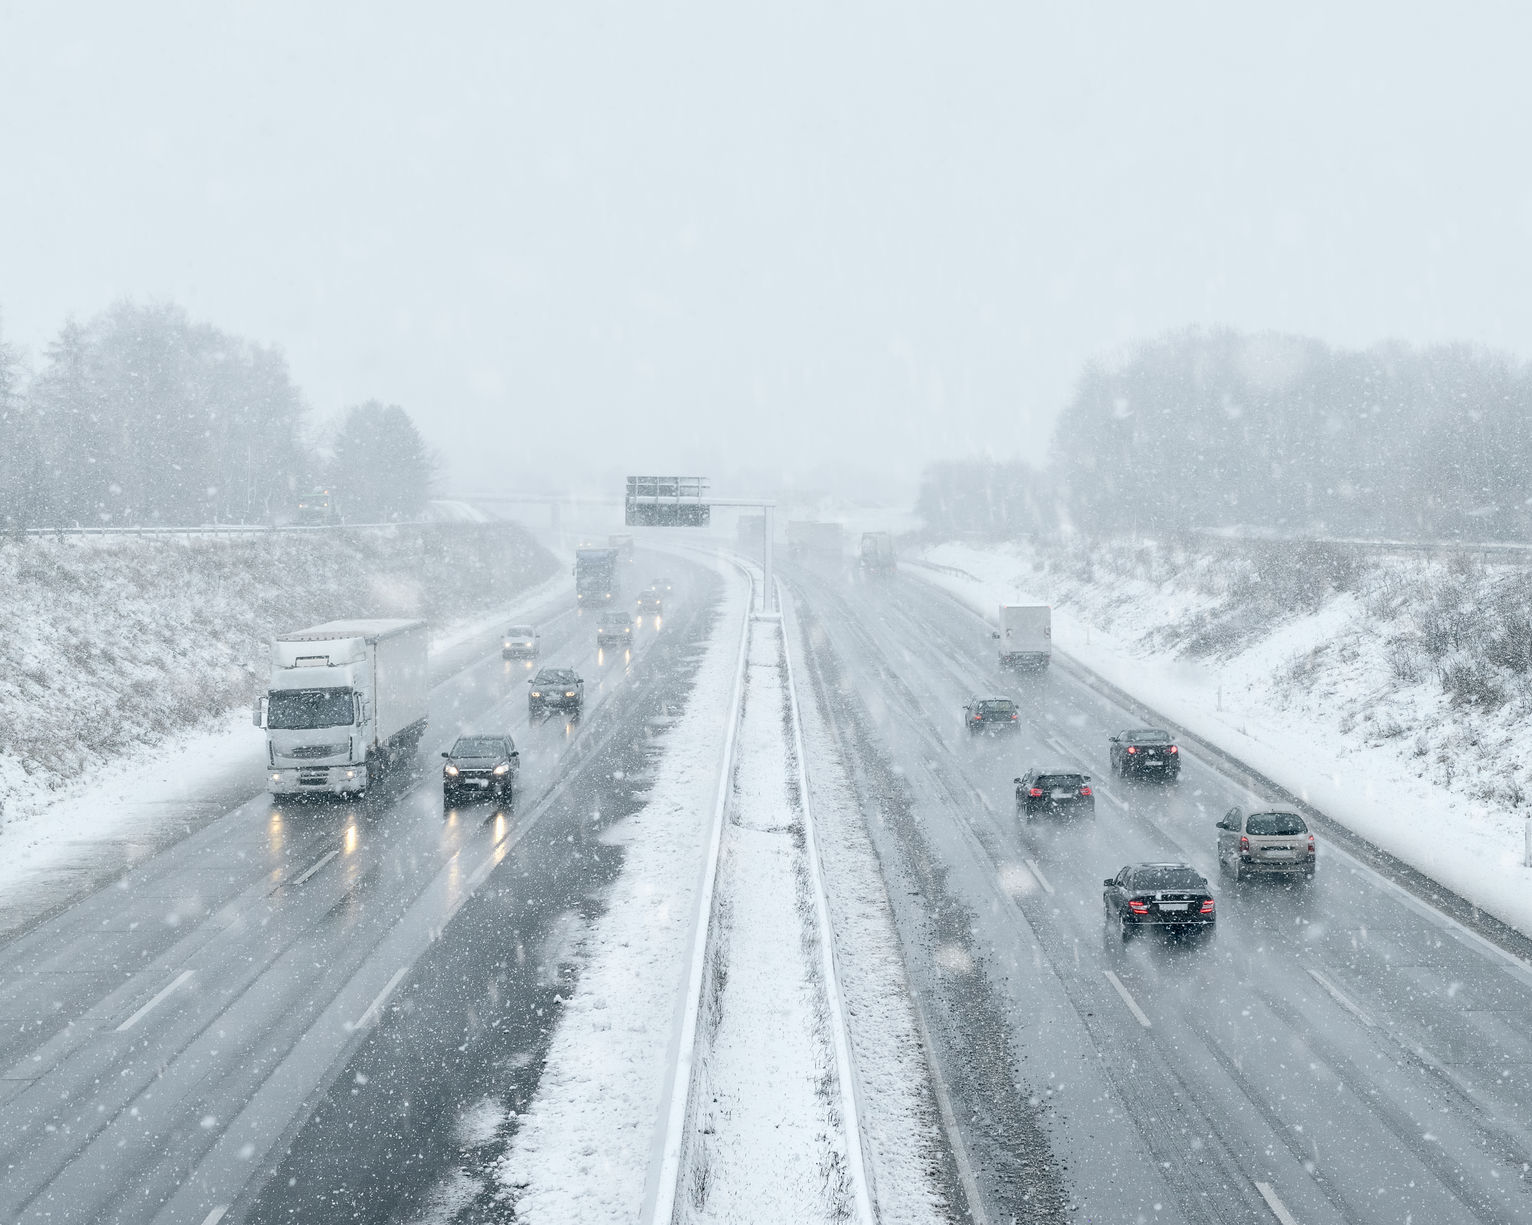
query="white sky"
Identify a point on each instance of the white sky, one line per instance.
(789, 237)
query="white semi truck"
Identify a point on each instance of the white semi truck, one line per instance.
(348, 699)
(1026, 635)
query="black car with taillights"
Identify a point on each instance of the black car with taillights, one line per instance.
(991, 715)
(1054, 793)
(1170, 897)
(1145, 752)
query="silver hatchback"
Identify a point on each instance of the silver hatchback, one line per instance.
(1273, 841)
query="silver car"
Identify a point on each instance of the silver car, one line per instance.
(1272, 841)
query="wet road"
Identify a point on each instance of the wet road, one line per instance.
(166, 1034)
(1341, 1052)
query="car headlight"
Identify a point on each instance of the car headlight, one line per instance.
(569, 693)
(503, 768)
(537, 693)
(450, 770)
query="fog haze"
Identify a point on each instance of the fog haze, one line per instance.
(700, 237)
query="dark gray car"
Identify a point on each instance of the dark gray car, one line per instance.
(555, 689)
(481, 766)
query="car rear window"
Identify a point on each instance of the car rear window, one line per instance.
(1147, 735)
(1275, 824)
(1060, 780)
(1001, 706)
(1168, 878)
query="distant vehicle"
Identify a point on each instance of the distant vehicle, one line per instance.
(651, 600)
(521, 642)
(1272, 842)
(877, 553)
(1054, 793)
(810, 539)
(596, 578)
(318, 508)
(1173, 897)
(555, 689)
(1025, 635)
(1144, 751)
(348, 699)
(481, 765)
(664, 585)
(623, 544)
(614, 629)
(991, 715)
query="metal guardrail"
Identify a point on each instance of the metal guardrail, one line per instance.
(1499, 550)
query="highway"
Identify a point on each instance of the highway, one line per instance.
(168, 1034)
(1342, 1052)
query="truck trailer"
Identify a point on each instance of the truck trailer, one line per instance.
(348, 699)
(1026, 635)
(597, 582)
(812, 539)
(877, 555)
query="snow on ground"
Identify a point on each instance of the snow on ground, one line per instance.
(766, 1141)
(1363, 701)
(583, 1149)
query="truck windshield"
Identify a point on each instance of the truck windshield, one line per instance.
(292, 709)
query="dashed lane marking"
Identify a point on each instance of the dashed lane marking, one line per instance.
(216, 1215)
(1038, 872)
(1340, 997)
(371, 1015)
(1278, 1208)
(315, 866)
(1127, 998)
(158, 999)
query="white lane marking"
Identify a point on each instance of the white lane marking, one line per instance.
(1278, 1208)
(1053, 742)
(158, 999)
(1038, 872)
(368, 1017)
(1127, 999)
(1340, 997)
(216, 1215)
(314, 867)
(1112, 799)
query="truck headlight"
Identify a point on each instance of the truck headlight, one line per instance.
(449, 770)
(503, 768)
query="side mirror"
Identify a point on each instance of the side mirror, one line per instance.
(445, 753)
(1108, 883)
(994, 633)
(258, 714)
(515, 754)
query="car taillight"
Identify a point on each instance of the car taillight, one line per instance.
(1172, 749)
(1014, 715)
(1036, 791)
(1311, 844)
(978, 718)
(1139, 907)
(1085, 791)
(1132, 748)
(1207, 906)
(1244, 845)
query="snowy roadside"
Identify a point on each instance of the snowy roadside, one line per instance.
(55, 848)
(1306, 737)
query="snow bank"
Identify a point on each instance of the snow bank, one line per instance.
(1328, 699)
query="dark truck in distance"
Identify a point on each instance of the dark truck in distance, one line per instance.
(1145, 751)
(1173, 897)
(596, 577)
(1054, 793)
(991, 715)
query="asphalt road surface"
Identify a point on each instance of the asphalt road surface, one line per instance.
(1340, 1052)
(167, 1036)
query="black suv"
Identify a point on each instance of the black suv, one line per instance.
(1054, 793)
(1171, 896)
(555, 689)
(481, 765)
(991, 715)
(1142, 751)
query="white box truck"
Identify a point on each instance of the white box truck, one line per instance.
(1026, 635)
(348, 699)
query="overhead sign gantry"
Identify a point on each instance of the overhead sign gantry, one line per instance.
(684, 501)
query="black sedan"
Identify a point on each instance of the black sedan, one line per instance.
(1145, 752)
(991, 715)
(555, 689)
(481, 766)
(1054, 793)
(1173, 897)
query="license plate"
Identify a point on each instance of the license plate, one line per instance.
(1063, 795)
(1279, 854)
(479, 782)
(1175, 906)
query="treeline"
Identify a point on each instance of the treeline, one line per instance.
(1279, 434)
(142, 417)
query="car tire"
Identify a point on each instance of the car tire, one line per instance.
(1238, 872)
(447, 797)
(1124, 930)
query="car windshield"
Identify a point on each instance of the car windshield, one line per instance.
(520, 631)
(1168, 878)
(295, 709)
(993, 706)
(555, 676)
(1058, 781)
(1147, 735)
(478, 746)
(1275, 823)
(614, 618)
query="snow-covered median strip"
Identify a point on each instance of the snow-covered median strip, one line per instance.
(1248, 705)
